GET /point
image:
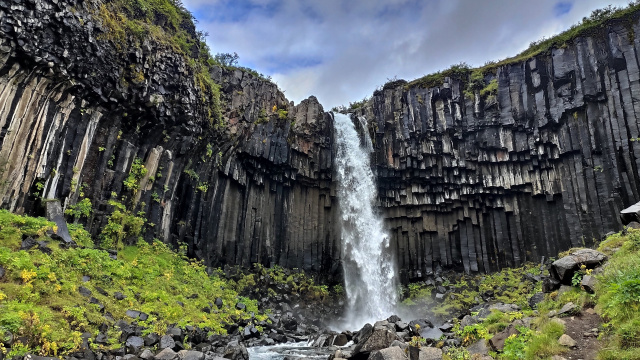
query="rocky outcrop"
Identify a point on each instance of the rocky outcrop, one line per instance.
(483, 182)
(76, 111)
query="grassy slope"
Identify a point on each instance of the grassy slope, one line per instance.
(39, 296)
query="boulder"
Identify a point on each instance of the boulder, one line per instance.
(392, 353)
(536, 299)
(566, 340)
(379, 338)
(166, 354)
(134, 344)
(418, 325)
(190, 355)
(54, 213)
(568, 309)
(235, 351)
(84, 291)
(28, 243)
(218, 303)
(632, 213)
(478, 348)
(589, 283)
(137, 315)
(167, 342)
(2, 272)
(119, 296)
(430, 353)
(146, 354)
(340, 340)
(497, 341)
(563, 269)
(151, 339)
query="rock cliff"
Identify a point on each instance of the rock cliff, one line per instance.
(465, 180)
(545, 164)
(77, 109)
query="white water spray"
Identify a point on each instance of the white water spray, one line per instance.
(368, 266)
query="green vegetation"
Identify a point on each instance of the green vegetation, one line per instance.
(136, 173)
(618, 296)
(80, 209)
(40, 304)
(122, 224)
(509, 286)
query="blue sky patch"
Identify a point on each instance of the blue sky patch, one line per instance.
(562, 7)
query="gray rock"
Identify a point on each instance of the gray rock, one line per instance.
(630, 214)
(166, 354)
(190, 355)
(479, 347)
(392, 353)
(379, 338)
(567, 309)
(430, 353)
(589, 283)
(134, 344)
(536, 299)
(146, 354)
(497, 341)
(54, 213)
(84, 291)
(566, 340)
(167, 342)
(563, 269)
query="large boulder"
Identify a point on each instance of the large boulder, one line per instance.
(378, 338)
(55, 213)
(235, 351)
(564, 268)
(392, 353)
(630, 214)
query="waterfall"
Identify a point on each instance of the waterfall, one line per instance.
(369, 272)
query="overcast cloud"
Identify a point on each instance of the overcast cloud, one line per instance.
(341, 50)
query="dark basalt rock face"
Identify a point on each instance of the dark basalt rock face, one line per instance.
(255, 187)
(545, 165)
(470, 182)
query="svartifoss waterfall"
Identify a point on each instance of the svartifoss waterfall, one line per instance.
(368, 266)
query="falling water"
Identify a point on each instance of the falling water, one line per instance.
(368, 266)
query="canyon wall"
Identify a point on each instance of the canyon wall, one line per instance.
(483, 182)
(470, 182)
(77, 110)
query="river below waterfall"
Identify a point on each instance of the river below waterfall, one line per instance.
(300, 350)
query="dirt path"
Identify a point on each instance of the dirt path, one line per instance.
(580, 328)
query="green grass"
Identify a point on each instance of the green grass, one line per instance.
(39, 297)
(618, 296)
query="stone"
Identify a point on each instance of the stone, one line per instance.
(430, 353)
(151, 339)
(589, 283)
(28, 243)
(167, 342)
(497, 341)
(567, 309)
(391, 353)
(419, 325)
(84, 291)
(377, 339)
(146, 354)
(566, 340)
(563, 269)
(235, 351)
(241, 306)
(54, 213)
(166, 354)
(630, 214)
(340, 340)
(190, 355)
(134, 344)
(479, 347)
(137, 314)
(2, 272)
(218, 303)
(101, 339)
(119, 296)
(535, 299)
(433, 334)
(468, 320)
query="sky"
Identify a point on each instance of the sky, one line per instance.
(342, 50)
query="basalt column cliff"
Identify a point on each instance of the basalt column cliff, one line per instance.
(80, 103)
(475, 180)
(546, 163)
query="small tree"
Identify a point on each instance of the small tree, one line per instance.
(227, 59)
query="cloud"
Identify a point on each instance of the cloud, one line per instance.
(340, 51)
